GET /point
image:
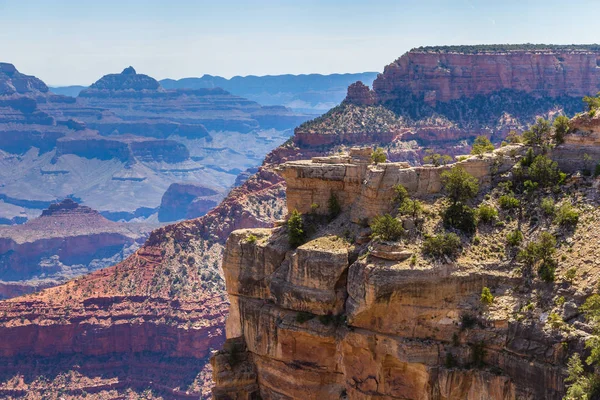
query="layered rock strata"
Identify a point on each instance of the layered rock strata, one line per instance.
(445, 74)
(331, 320)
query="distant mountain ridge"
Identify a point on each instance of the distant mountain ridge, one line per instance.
(307, 93)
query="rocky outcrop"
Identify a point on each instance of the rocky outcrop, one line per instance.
(129, 79)
(367, 190)
(360, 94)
(187, 201)
(340, 318)
(445, 74)
(581, 147)
(14, 82)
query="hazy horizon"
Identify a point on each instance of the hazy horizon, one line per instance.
(66, 42)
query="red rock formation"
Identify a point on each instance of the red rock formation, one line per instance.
(449, 75)
(360, 94)
(40, 252)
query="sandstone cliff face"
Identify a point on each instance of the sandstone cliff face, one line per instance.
(353, 319)
(581, 147)
(444, 76)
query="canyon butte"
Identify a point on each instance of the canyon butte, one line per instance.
(344, 316)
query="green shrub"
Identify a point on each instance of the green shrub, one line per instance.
(304, 316)
(539, 134)
(561, 127)
(515, 238)
(513, 137)
(545, 171)
(486, 296)
(333, 206)
(527, 158)
(508, 202)
(555, 321)
(461, 217)
(548, 206)
(486, 213)
(413, 208)
(378, 156)
(567, 216)
(436, 159)
(459, 184)
(400, 193)
(541, 253)
(530, 186)
(570, 275)
(481, 146)
(593, 103)
(546, 271)
(251, 238)
(386, 227)
(296, 234)
(597, 170)
(445, 244)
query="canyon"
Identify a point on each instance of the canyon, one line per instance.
(126, 147)
(126, 135)
(175, 277)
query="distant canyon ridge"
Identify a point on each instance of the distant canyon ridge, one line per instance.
(308, 93)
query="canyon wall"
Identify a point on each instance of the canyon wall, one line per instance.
(444, 75)
(344, 316)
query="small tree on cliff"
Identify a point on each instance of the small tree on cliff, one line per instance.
(296, 234)
(539, 134)
(593, 103)
(436, 158)
(460, 187)
(561, 128)
(459, 184)
(481, 146)
(378, 156)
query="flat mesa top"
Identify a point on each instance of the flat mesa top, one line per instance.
(505, 48)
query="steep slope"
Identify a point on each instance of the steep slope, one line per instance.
(350, 315)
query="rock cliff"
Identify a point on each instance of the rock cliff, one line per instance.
(344, 316)
(440, 96)
(442, 74)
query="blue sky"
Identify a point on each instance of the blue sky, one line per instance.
(75, 42)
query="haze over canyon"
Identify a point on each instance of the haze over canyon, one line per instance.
(137, 306)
